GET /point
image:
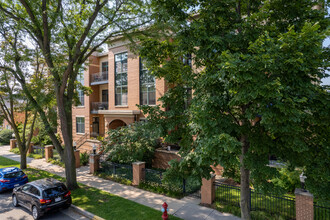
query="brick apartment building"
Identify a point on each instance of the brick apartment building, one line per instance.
(119, 82)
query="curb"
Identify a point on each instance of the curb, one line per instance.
(86, 213)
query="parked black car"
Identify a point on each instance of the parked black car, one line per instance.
(41, 196)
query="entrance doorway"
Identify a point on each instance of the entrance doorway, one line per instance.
(95, 127)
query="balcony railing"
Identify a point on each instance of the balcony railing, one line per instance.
(97, 78)
(95, 106)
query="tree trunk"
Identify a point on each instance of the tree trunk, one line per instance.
(23, 161)
(245, 182)
(65, 114)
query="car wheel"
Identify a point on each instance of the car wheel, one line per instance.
(15, 202)
(35, 212)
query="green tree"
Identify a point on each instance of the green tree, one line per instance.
(11, 104)
(67, 33)
(136, 142)
(256, 87)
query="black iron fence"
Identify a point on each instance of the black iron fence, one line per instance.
(283, 205)
(187, 186)
(321, 212)
(38, 150)
(120, 170)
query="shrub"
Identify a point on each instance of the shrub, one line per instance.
(56, 162)
(114, 178)
(35, 156)
(288, 179)
(5, 136)
(161, 189)
(42, 138)
(84, 157)
(15, 150)
(136, 142)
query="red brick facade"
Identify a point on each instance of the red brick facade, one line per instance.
(114, 116)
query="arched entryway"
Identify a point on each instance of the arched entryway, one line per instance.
(116, 124)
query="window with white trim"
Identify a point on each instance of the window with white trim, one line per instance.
(147, 86)
(80, 125)
(81, 96)
(121, 79)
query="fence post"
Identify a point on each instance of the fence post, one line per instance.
(94, 163)
(304, 205)
(208, 190)
(12, 144)
(49, 152)
(138, 172)
(77, 157)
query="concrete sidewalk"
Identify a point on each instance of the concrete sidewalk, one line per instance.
(185, 208)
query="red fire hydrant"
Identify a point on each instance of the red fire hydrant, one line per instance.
(164, 210)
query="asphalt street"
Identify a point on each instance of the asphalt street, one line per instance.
(9, 212)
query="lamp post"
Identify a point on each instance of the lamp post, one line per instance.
(94, 149)
(74, 145)
(13, 136)
(302, 181)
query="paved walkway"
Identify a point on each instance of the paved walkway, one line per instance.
(185, 208)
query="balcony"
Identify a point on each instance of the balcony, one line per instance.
(99, 78)
(96, 106)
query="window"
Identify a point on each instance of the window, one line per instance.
(80, 79)
(13, 175)
(105, 95)
(34, 191)
(80, 122)
(81, 98)
(26, 188)
(147, 86)
(186, 60)
(121, 79)
(55, 191)
(104, 67)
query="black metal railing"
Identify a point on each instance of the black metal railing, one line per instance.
(230, 195)
(187, 186)
(99, 77)
(95, 106)
(120, 170)
(155, 176)
(321, 212)
(38, 150)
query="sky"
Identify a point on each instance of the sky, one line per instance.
(326, 43)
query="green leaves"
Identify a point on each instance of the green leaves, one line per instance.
(256, 74)
(135, 142)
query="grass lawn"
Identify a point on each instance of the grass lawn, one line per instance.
(35, 156)
(96, 201)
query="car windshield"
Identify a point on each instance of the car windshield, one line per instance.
(13, 175)
(55, 191)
